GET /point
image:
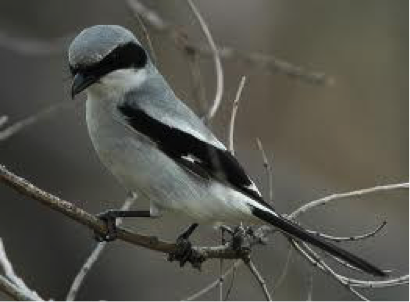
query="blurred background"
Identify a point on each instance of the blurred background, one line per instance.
(320, 139)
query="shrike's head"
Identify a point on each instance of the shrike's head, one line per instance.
(108, 56)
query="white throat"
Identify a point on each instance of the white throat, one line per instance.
(117, 83)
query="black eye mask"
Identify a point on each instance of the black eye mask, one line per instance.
(130, 55)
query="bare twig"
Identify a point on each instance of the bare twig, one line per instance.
(217, 60)
(154, 243)
(11, 284)
(314, 259)
(228, 292)
(282, 276)
(351, 238)
(79, 279)
(32, 47)
(221, 268)
(32, 119)
(334, 197)
(132, 4)
(269, 63)
(215, 283)
(235, 107)
(310, 286)
(13, 291)
(150, 16)
(79, 215)
(377, 284)
(267, 167)
(249, 263)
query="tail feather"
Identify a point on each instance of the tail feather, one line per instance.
(296, 231)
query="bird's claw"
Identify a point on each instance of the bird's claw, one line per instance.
(240, 242)
(109, 221)
(184, 252)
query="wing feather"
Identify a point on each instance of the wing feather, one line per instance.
(194, 154)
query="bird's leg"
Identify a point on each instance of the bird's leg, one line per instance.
(110, 220)
(184, 252)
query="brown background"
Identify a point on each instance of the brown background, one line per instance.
(322, 140)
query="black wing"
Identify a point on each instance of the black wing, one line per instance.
(194, 154)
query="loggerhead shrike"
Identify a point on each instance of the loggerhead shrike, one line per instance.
(156, 146)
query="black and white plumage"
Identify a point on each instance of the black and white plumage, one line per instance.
(156, 146)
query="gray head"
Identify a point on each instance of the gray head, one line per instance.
(101, 50)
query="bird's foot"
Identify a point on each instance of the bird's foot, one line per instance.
(110, 221)
(184, 252)
(242, 239)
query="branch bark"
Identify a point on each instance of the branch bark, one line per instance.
(81, 216)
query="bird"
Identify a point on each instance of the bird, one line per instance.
(155, 145)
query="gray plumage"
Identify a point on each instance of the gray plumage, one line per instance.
(156, 146)
(94, 43)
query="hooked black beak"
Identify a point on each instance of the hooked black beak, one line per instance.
(81, 82)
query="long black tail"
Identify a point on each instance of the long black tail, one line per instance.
(296, 231)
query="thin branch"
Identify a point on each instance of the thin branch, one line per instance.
(334, 197)
(221, 279)
(217, 60)
(377, 284)
(228, 292)
(79, 215)
(310, 286)
(269, 63)
(13, 291)
(149, 15)
(314, 259)
(11, 283)
(153, 243)
(133, 4)
(31, 46)
(351, 238)
(235, 107)
(285, 270)
(267, 167)
(215, 283)
(32, 119)
(92, 259)
(249, 263)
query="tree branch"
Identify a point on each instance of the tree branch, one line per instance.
(31, 46)
(269, 63)
(79, 215)
(351, 238)
(259, 278)
(10, 283)
(79, 279)
(215, 283)
(235, 107)
(32, 119)
(335, 197)
(217, 60)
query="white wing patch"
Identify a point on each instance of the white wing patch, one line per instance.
(191, 158)
(253, 188)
